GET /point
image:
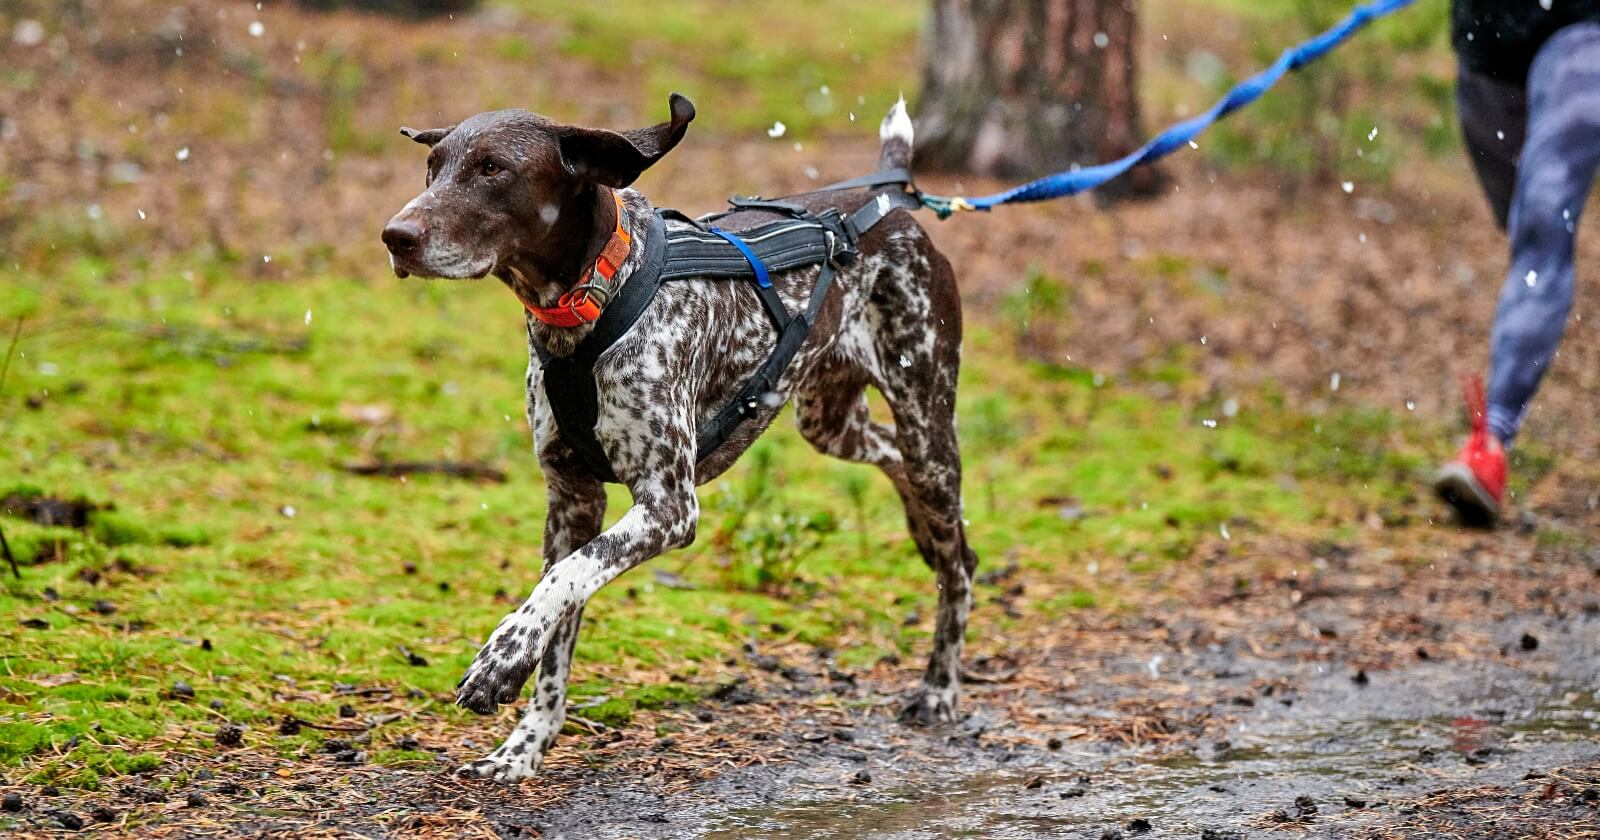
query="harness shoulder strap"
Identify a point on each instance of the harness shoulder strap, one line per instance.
(572, 377)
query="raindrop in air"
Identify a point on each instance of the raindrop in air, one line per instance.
(1333, 381)
(256, 29)
(183, 153)
(777, 129)
(1349, 186)
(1532, 278)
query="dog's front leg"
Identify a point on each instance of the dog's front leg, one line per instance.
(663, 517)
(577, 509)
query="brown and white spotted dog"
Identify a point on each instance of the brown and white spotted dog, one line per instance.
(530, 200)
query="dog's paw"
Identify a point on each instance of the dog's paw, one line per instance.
(500, 769)
(930, 706)
(492, 681)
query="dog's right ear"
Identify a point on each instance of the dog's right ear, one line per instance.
(616, 158)
(429, 136)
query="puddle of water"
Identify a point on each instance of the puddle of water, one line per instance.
(1576, 712)
(1416, 732)
(961, 809)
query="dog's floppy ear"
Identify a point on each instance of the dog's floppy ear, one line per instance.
(428, 136)
(615, 159)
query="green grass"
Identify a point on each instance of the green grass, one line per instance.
(240, 558)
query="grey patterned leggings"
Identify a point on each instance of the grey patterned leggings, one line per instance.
(1535, 153)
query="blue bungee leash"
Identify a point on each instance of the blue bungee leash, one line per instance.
(1079, 180)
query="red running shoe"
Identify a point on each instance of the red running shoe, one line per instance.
(1475, 482)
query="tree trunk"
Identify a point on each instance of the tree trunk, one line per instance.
(1023, 88)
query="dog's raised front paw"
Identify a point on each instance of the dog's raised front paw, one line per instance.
(504, 770)
(930, 706)
(492, 681)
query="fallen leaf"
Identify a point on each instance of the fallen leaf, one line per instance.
(370, 414)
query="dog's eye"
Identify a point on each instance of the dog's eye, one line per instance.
(491, 169)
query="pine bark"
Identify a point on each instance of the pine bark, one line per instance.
(1021, 88)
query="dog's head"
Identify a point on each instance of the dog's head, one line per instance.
(511, 185)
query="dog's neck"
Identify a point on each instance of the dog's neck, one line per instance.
(566, 257)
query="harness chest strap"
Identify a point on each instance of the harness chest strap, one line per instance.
(577, 305)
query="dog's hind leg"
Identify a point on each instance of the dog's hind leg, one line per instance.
(577, 509)
(921, 352)
(832, 414)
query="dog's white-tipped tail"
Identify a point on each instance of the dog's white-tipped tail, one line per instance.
(896, 133)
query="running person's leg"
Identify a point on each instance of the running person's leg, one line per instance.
(1494, 120)
(1553, 178)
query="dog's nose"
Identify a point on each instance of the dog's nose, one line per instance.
(403, 236)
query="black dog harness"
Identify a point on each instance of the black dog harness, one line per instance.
(800, 238)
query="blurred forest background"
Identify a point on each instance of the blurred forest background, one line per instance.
(1254, 366)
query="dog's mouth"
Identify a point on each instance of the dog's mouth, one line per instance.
(451, 270)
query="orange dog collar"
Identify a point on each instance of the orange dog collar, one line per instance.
(579, 305)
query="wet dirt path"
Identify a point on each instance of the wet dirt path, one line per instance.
(1339, 757)
(1447, 688)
